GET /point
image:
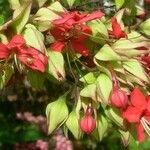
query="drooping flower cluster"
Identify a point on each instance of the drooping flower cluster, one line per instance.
(29, 56)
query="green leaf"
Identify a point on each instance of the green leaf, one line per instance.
(125, 135)
(104, 87)
(89, 91)
(99, 31)
(106, 53)
(5, 76)
(56, 7)
(21, 19)
(128, 44)
(145, 27)
(70, 2)
(73, 124)
(56, 113)
(41, 2)
(135, 68)
(36, 79)
(14, 4)
(1, 20)
(45, 14)
(34, 38)
(115, 115)
(56, 65)
(130, 53)
(88, 78)
(102, 126)
(119, 3)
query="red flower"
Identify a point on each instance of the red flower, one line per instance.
(69, 31)
(147, 1)
(119, 98)
(116, 30)
(138, 112)
(31, 57)
(71, 18)
(87, 123)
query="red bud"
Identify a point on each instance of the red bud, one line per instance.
(87, 124)
(119, 98)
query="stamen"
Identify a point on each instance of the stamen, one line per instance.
(145, 126)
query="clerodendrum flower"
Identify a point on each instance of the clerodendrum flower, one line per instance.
(31, 57)
(116, 31)
(139, 113)
(71, 31)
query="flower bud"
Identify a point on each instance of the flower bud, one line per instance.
(87, 123)
(119, 98)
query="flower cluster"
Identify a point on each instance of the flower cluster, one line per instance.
(103, 62)
(29, 56)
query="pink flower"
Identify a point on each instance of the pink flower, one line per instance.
(138, 112)
(119, 98)
(30, 57)
(70, 32)
(87, 123)
(116, 30)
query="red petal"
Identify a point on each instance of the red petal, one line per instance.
(138, 99)
(64, 19)
(58, 33)
(117, 31)
(148, 103)
(140, 132)
(4, 51)
(58, 46)
(17, 40)
(132, 114)
(92, 16)
(33, 59)
(87, 30)
(79, 48)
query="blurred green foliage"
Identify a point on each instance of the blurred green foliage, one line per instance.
(5, 11)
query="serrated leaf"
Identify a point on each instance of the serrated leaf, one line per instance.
(106, 53)
(72, 124)
(22, 17)
(104, 87)
(56, 113)
(119, 3)
(56, 65)
(89, 91)
(135, 68)
(36, 79)
(34, 38)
